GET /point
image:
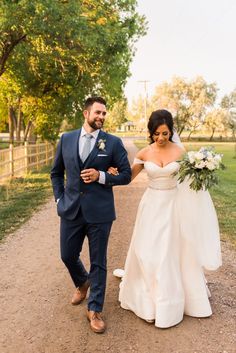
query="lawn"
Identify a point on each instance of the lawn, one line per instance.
(224, 195)
(21, 197)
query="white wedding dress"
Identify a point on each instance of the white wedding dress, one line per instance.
(175, 236)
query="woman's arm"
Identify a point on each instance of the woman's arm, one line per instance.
(136, 168)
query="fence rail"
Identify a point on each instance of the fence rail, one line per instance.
(17, 161)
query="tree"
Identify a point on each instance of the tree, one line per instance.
(216, 120)
(9, 103)
(228, 102)
(117, 116)
(188, 101)
(61, 52)
(3, 116)
(137, 113)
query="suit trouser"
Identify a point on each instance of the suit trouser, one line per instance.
(73, 233)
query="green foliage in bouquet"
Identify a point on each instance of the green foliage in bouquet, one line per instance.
(200, 168)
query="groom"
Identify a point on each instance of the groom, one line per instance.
(85, 202)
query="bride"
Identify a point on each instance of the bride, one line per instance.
(175, 237)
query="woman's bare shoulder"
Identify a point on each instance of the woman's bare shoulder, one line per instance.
(178, 151)
(178, 148)
(142, 153)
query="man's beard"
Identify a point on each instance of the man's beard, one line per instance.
(93, 125)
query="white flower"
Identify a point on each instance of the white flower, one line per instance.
(209, 156)
(203, 149)
(218, 157)
(101, 144)
(200, 165)
(191, 157)
(210, 165)
(199, 155)
(210, 159)
(217, 164)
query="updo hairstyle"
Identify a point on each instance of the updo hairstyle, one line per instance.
(158, 118)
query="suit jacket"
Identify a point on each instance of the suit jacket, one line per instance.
(95, 200)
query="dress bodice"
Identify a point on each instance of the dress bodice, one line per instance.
(161, 178)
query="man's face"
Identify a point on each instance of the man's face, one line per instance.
(95, 115)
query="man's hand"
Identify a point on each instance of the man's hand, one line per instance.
(89, 175)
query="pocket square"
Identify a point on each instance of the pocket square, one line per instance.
(102, 155)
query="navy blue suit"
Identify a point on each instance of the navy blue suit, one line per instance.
(87, 209)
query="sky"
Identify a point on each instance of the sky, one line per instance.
(185, 38)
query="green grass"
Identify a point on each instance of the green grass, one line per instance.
(224, 195)
(4, 145)
(21, 197)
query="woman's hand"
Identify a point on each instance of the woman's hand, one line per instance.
(113, 171)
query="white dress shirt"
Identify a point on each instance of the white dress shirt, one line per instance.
(82, 139)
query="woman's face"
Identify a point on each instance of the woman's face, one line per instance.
(162, 135)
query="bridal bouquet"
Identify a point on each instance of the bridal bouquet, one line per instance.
(200, 167)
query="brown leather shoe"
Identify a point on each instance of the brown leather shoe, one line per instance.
(80, 294)
(96, 322)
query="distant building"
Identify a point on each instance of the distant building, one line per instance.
(127, 126)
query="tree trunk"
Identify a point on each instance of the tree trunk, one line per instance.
(212, 134)
(14, 119)
(27, 130)
(189, 135)
(180, 130)
(8, 47)
(11, 124)
(32, 137)
(233, 133)
(18, 122)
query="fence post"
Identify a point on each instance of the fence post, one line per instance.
(37, 156)
(11, 159)
(26, 156)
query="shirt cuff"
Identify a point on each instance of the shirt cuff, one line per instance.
(102, 177)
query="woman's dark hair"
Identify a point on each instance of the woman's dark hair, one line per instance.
(158, 118)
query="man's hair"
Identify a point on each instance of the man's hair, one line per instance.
(89, 102)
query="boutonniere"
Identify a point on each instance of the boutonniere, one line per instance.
(101, 144)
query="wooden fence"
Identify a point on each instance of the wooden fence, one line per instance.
(17, 161)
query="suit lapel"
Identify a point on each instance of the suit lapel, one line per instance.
(75, 149)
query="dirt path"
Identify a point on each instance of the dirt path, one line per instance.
(35, 311)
